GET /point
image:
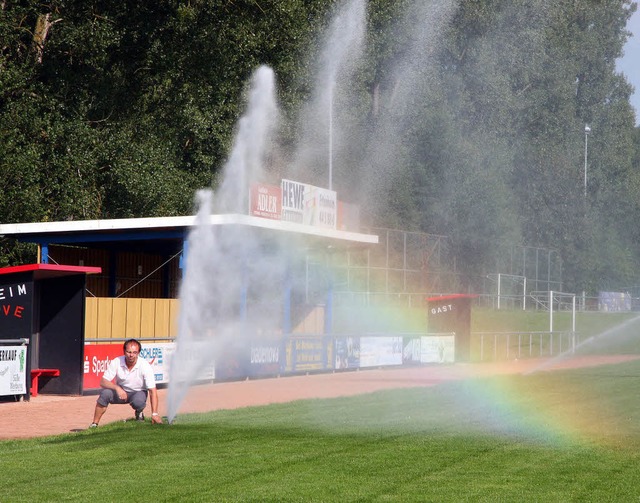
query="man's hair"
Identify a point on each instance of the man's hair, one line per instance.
(131, 341)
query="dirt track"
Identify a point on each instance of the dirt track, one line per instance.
(51, 414)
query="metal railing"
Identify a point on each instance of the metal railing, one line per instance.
(13, 342)
(509, 345)
(123, 339)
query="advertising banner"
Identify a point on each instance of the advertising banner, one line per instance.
(264, 358)
(13, 370)
(192, 369)
(301, 203)
(96, 361)
(159, 356)
(306, 204)
(321, 208)
(266, 201)
(294, 196)
(98, 356)
(379, 351)
(347, 352)
(411, 351)
(306, 353)
(437, 349)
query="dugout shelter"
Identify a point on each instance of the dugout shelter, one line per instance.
(42, 308)
(452, 314)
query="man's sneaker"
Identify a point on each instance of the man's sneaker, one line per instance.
(139, 415)
(93, 425)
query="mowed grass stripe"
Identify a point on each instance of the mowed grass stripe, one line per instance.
(561, 436)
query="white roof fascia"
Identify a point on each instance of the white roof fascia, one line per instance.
(184, 221)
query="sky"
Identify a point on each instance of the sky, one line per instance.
(629, 64)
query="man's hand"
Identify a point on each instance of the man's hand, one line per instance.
(156, 418)
(122, 394)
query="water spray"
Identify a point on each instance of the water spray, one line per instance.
(625, 325)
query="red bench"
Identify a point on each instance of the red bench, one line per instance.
(36, 373)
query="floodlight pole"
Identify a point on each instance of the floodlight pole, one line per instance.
(331, 135)
(587, 130)
(550, 310)
(573, 324)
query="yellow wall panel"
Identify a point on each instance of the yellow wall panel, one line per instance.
(91, 318)
(105, 316)
(119, 318)
(134, 314)
(147, 318)
(175, 313)
(312, 323)
(163, 317)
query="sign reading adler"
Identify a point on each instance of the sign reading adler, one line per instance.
(266, 201)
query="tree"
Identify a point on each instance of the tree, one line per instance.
(462, 118)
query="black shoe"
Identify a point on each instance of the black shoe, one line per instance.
(139, 415)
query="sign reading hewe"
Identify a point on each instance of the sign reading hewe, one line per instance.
(306, 204)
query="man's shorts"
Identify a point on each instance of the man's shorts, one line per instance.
(137, 399)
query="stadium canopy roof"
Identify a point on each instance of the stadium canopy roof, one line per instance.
(167, 234)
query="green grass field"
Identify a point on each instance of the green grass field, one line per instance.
(561, 436)
(544, 437)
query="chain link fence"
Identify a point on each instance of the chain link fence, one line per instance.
(407, 267)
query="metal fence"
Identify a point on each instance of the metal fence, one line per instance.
(490, 346)
(409, 266)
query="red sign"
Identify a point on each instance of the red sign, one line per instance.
(96, 361)
(266, 201)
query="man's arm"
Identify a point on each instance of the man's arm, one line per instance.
(105, 383)
(153, 398)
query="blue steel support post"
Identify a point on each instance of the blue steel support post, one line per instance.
(182, 264)
(286, 299)
(244, 291)
(44, 253)
(328, 318)
(286, 314)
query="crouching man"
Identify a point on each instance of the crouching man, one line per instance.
(128, 379)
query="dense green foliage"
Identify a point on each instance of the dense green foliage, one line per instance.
(464, 119)
(548, 436)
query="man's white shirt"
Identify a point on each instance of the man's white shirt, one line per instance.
(140, 377)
